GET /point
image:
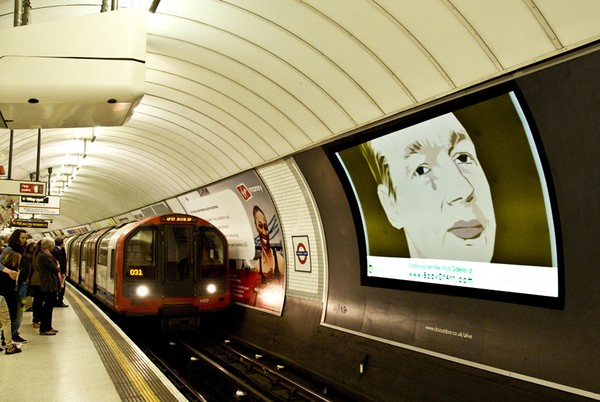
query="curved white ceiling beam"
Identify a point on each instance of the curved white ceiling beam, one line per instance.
(213, 83)
(255, 69)
(248, 127)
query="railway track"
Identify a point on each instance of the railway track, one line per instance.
(230, 370)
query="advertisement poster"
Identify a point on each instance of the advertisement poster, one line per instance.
(243, 210)
(457, 200)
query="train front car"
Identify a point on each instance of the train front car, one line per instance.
(174, 266)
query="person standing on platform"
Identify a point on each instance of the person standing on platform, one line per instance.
(11, 347)
(36, 289)
(59, 253)
(8, 292)
(27, 271)
(48, 270)
(16, 243)
(8, 278)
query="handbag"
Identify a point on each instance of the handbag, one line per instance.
(23, 290)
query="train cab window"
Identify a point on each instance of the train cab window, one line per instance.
(212, 253)
(139, 255)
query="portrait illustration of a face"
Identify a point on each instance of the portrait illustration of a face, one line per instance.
(431, 185)
(262, 227)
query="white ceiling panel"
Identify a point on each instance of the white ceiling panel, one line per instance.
(509, 28)
(577, 22)
(233, 84)
(452, 46)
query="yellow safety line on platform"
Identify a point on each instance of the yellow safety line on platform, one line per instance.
(138, 382)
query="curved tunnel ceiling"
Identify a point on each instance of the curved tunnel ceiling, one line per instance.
(232, 85)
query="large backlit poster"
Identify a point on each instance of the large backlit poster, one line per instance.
(456, 200)
(244, 211)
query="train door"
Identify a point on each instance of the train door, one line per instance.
(178, 261)
(104, 281)
(76, 259)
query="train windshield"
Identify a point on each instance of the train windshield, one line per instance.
(185, 254)
(211, 253)
(139, 258)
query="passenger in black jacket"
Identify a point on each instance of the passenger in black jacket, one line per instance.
(59, 253)
(48, 270)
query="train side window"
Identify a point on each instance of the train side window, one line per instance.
(139, 255)
(113, 264)
(103, 248)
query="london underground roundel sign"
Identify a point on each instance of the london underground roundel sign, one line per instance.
(301, 253)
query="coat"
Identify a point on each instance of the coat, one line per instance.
(61, 256)
(34, 278)
(48, 271)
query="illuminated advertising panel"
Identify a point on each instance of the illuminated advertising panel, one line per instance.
(456, 202)
(244, 211)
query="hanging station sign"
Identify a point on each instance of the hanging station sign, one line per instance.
(49, 205)
(21, 223)
(16, 187)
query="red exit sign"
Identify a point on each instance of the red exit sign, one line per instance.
(31, 188)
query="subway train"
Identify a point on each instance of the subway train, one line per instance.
(171, 266)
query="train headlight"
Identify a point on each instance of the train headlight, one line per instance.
(142, 291)
(212, 288)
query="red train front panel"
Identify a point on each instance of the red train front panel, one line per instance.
(170, 265)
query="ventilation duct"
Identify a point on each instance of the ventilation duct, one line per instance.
(85, 71)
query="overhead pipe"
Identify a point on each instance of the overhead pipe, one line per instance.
(26, 18)
(22, 14)
(10, 151)
(49, 181)
(114, 4)
(21, 17)
(39, 152)
(154, 6)
(18, 13)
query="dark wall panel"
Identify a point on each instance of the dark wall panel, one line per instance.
(565, 101)
(553, 345)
